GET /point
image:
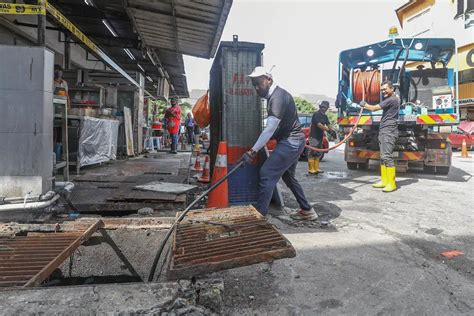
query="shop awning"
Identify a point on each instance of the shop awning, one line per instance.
(151, 36)
(188, 27)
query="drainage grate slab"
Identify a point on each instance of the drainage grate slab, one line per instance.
(29, 260)
(218, 239)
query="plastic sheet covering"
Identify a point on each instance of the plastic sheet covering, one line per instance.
(98, 140)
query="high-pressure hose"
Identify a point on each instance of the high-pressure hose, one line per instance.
(183, 214)
(346, 138)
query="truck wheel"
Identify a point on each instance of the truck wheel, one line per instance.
(352, 165)
(364, 165)
(442, 170)
(429, 169)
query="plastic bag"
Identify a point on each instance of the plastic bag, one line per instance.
(201, 111)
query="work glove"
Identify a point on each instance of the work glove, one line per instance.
(247, 158)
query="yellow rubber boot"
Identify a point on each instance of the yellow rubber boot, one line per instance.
(311, 169)
(391, 186)
(316, 166)
(383, 178)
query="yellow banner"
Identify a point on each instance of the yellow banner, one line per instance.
(71, 27)
(24, 9)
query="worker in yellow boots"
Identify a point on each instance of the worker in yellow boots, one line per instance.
(388, 135)
(319, 124)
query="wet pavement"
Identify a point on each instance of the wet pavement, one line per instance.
(371, 253)
(380, 253)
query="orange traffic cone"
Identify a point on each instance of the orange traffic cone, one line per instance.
(197, 165)
(219, 197)
(206, 175)
(464, 153)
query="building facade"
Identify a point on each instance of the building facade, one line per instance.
(450, 19)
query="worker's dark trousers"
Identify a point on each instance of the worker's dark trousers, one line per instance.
(317, 143)
(387, 139)
(281, 164)
(190, 134)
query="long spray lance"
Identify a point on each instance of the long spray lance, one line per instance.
(183, 215)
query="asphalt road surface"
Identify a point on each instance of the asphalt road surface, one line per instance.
(380, 254)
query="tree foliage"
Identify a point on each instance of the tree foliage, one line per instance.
(304, 106)
(158, 109)
(332, 118)
(185, 109)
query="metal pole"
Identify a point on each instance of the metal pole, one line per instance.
(67, 52)
(458, 110)
(41, 26)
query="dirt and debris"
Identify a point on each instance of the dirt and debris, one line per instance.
(167, 298)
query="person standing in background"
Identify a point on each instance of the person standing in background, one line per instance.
(173, 118)
(196, 134)
(189, 124)
(319, 125)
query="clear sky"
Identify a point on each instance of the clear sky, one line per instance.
(302, 38)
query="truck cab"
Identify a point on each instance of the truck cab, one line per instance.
(423, 70)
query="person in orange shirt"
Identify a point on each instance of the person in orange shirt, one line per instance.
(173, 118)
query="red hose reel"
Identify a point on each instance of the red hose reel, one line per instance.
(366, 86)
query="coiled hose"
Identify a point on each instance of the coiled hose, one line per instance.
(366, 87)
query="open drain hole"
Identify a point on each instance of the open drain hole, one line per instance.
(94, 279)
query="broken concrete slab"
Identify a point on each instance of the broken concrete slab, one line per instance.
(165, 187)
(128, 223)
(173, 298)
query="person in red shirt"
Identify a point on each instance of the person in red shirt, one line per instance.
(173, 117)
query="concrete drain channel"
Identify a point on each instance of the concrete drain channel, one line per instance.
(84, 251)
(95, 252)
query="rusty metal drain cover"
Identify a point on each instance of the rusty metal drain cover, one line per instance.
(29, 260)
(218, 239)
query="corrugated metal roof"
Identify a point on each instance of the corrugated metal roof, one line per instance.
(168, 29)
(190, 27)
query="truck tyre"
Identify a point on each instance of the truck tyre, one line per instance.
(442, 170)
(352, 165)
(364, 165)
(429, 169)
